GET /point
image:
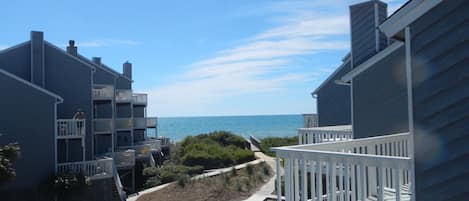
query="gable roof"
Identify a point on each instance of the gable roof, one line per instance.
(371, 61)
(345, 60)
(102, 66)
(67, 54)
(406, 14)
(45, 91)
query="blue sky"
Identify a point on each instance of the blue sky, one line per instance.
(200, 58)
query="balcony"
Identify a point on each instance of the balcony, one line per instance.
(152, 122)
(103, 92)
(376, 168)
(125, 158)
(124, 123)
(141, 151)
(124, 96)
(153, 145)
(140, 99)
(324, 134)
(140, 123)
(103, 126)
(97, 169)
(71, 128)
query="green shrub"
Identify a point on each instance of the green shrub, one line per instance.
(214, 150)
(249, 170)
(168, 173)
(269, 142)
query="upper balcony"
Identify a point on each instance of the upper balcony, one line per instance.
(97, 169)
(324, 134)
(376, 168)
(71, 128)
(124, 123)
(152, 122)
(103, 92)
(124, 96)
(141, 151)
(103, 126)
(140, 99)
(140, 123)
(153, 144)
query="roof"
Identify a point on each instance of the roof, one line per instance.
(14, 47)
(344, 62)
(102, 66)
(67, 54)
(406, 14)
(57, 97)
(371, 61)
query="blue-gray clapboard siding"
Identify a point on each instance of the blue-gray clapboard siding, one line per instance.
(333, 101)
(27, 117)
(440, 76)
(72, 80)
(380, 98)
(363, 30)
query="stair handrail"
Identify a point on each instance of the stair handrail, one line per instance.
(119, 186)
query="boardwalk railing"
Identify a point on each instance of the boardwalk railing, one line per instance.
(324, 134)
(377, 168)
(97, 169)
(71, 128)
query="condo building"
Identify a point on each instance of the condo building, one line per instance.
(71, 114)
(393, 118)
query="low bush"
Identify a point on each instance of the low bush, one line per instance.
(168, 173)
(214, 150)
(269, 142)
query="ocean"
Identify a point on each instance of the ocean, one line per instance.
(259, 126)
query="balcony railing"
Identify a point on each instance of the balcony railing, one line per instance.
(377, 168)
(140, 123)
(324, 134)
(154, 145)
(124, 158)
(103, 92)
(97, 169)
(124, 123)
(102, 126)
(71, 128)
(152, 122)
(140, 99)
(124, 95)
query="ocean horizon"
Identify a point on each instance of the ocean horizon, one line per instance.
(260, 126)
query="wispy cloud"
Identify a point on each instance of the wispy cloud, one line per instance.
(262, 63)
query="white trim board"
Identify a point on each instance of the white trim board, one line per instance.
(59, 99)
(406, 15)
(371, 61)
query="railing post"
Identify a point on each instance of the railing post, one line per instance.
(313, 179)
(279, 182)
(372, 173)
(304, 181)
(288, 179)
(381, 183)
(347, 181)
(296, 172)
(319, 180)
(397, 183)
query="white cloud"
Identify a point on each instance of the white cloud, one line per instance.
(261, 64)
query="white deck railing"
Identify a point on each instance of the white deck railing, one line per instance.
(71, 128)
(103, 92)
(140, 99)
(96, 169)
(141, 151)
(124, 158)
(118, 183)
(153, 144)
(324, 134)
(363, 169)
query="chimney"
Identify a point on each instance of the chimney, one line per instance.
(71, 48)
(127, 69)
(367, 39)
(97, 60)
(37, 58)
